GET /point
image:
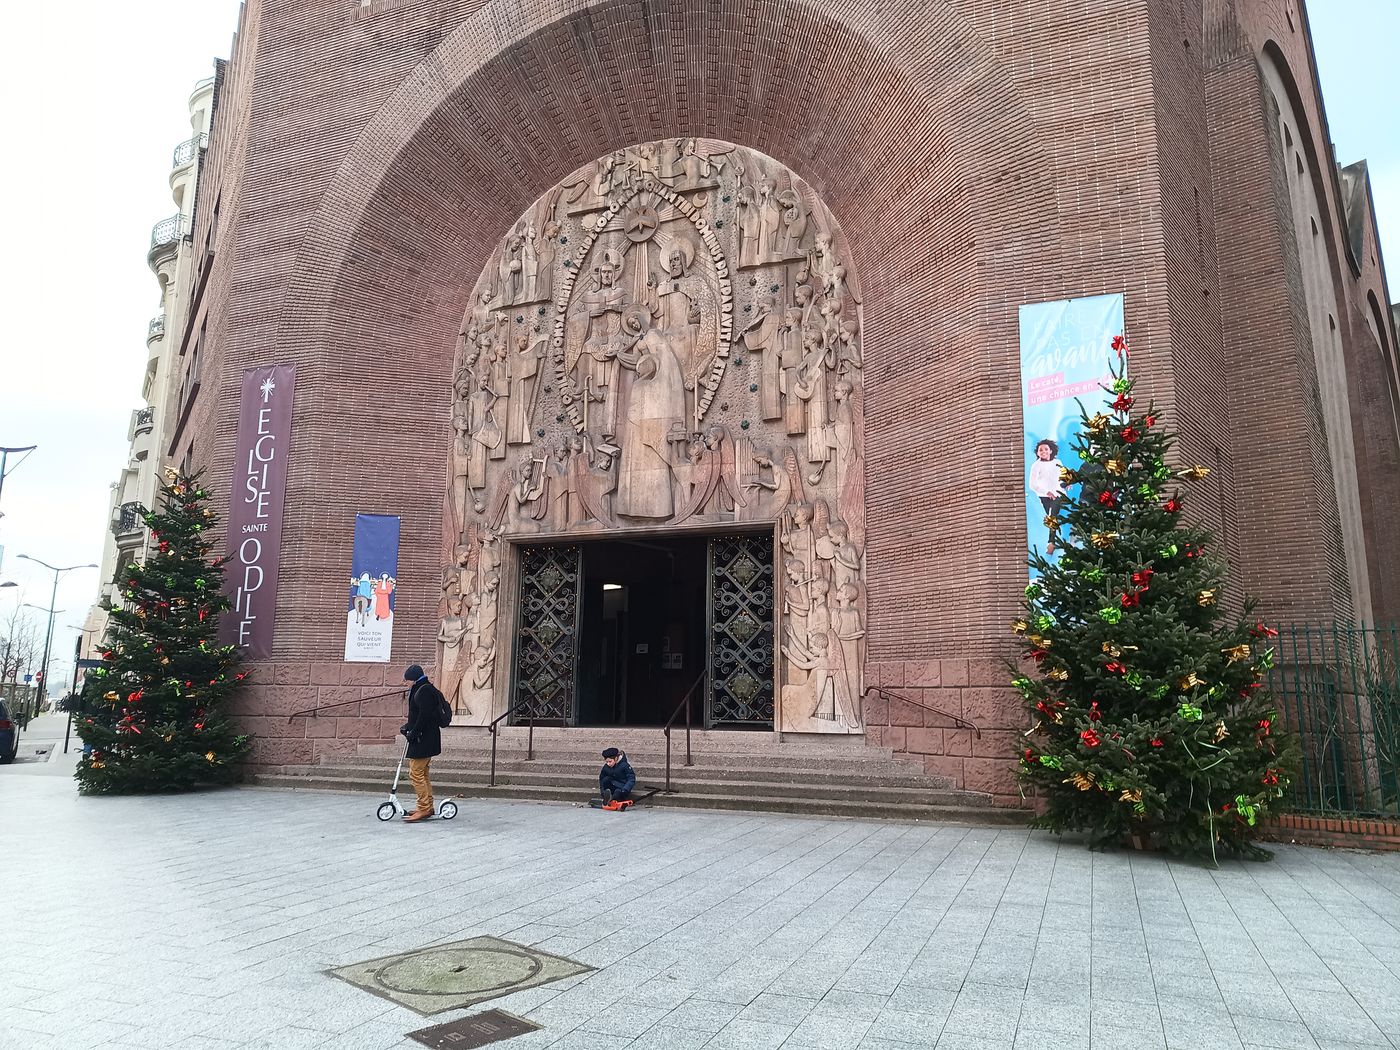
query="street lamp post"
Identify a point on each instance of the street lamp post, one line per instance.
(5, 454)
(57, 571)
(40, 687)
(83, 632)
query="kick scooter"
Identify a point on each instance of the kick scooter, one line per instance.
(446, 809)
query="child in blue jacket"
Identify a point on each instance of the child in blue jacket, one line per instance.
(616, 779)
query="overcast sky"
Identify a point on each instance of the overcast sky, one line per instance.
(95, 101)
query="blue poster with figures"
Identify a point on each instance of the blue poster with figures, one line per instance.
(374, 569)
(1067, 356)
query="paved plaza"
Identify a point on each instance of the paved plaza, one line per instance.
(209, 921)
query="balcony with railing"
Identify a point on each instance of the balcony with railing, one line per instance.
(166, 236)
(156, 329)
(189, 150)
(128, 524)
(145, 420)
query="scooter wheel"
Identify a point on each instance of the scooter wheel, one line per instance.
(447, 810)
(385, 811)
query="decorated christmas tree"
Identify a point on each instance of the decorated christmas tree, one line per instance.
(1150, 720)
(153, 713)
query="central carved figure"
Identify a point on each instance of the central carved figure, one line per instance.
(670, 337)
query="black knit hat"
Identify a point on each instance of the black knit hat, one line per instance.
(413, 673)
(611, 752)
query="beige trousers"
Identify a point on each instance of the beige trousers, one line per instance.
(418, 773)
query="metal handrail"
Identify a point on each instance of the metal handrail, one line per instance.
(186, 151)
(315, 711)
(666, 729)
(529, 743)
(156, 327)
(962, 723)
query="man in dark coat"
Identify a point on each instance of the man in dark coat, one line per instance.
(616, 779)
(423, 732)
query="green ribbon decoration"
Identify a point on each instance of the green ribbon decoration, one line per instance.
(1246, 808)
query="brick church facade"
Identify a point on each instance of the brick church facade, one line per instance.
(398, 195)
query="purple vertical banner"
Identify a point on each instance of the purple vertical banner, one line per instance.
(255, 506)
(374, 570)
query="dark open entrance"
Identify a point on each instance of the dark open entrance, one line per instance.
(641, 629)
(620, 631)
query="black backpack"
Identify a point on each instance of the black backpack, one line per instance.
(444, 712)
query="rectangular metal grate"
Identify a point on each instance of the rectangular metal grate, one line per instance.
(478, 1030)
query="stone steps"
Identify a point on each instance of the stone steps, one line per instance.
(653, 767)
(583, 784)
(820, 775)
(548, 768)
(317, 778)
(474, 739)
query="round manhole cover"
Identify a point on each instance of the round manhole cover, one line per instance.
(458, 971)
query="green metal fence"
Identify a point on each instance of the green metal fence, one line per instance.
(1337, 688)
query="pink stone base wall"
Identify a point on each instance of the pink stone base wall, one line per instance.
(275, 690)
(975, 690)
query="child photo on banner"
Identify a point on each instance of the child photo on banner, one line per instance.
(374, 568)
(1066, 358)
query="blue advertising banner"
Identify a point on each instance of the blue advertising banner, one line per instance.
(1066, 356)
(374, 568)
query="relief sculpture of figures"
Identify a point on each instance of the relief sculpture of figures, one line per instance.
(592, 480)
(671, 337)
(769, 218)
(512, 269)
(598, 320)
(523, 388)
(713, 476)
(450, 636)
(656, 403)
(548, 247)
(762, 338)
(530, 264)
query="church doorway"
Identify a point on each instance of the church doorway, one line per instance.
(617, 632)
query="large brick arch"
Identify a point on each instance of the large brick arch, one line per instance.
(901, 119)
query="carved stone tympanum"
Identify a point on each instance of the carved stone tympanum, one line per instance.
(669, 338)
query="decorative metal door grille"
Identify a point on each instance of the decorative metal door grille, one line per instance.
(741, 630)
(546, 640)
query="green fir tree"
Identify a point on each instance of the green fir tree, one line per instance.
(1150, 718)
(154, 713)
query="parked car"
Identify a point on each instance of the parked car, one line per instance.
(9, 736)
